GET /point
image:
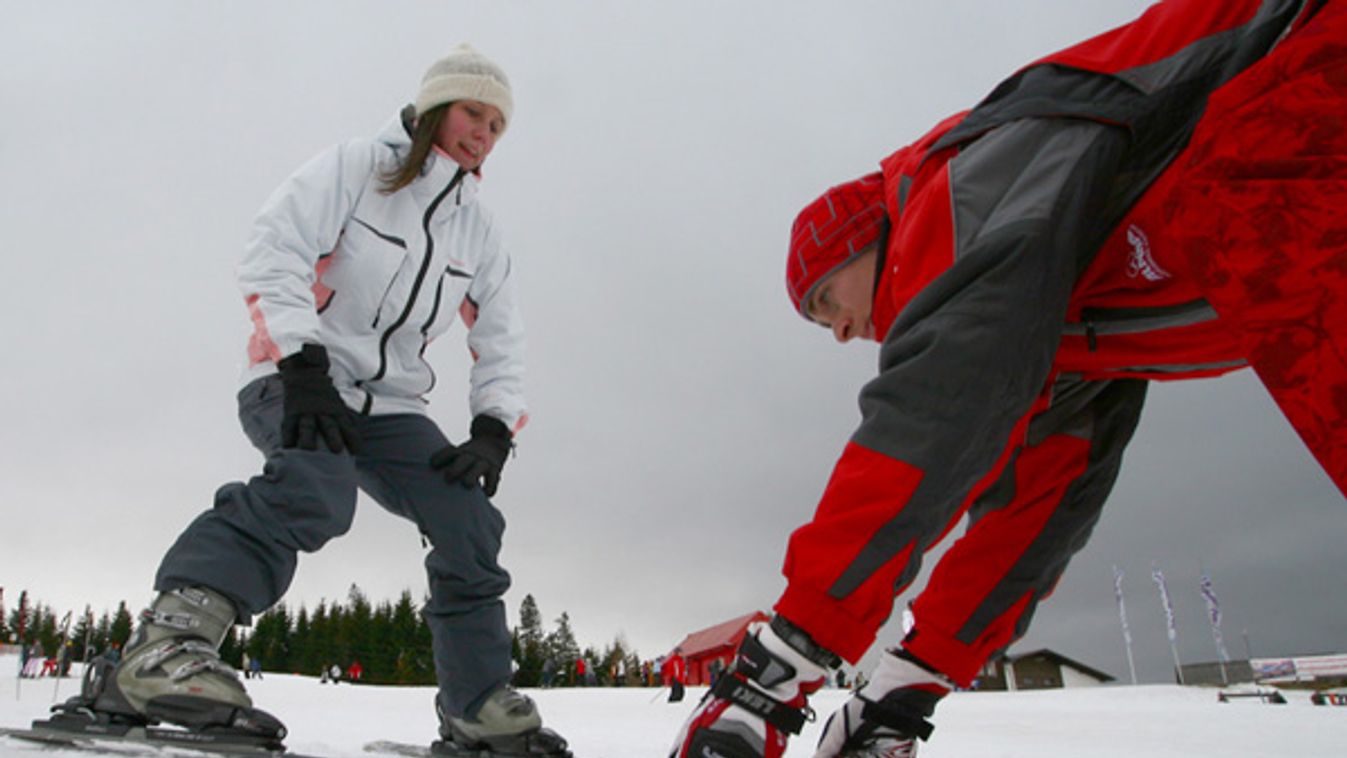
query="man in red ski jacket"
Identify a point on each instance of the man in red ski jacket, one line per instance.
(1167, 200)
(675, 675)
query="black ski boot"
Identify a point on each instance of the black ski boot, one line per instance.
(506, 726)
(172, 672)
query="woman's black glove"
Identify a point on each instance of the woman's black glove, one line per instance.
(312, 405)
(480, 458)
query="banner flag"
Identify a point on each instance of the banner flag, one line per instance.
(1169, 621)
(1122, 617)
(1122, 608)
(1164, 600)
(1214, 613)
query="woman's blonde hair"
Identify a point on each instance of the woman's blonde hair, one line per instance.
(422, 131)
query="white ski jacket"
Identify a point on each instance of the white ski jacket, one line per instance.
(374, 278)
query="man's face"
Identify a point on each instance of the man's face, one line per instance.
(843, 299)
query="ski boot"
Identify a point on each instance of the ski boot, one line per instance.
(171, 671)
(761, 700)
(507, 724)
(885, 718)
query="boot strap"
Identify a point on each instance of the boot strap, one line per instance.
(182, 622)
(741, 693)
(897, 718)
(197, 665)
(210, 659)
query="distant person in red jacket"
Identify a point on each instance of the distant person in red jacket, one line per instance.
(354, 671)
(674, 672)
(1167, 200)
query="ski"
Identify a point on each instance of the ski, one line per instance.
(387, 747)
(409, 750)
(147, 741)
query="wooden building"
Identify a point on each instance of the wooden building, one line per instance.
(1039, 670)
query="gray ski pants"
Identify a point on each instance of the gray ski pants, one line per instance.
(247, 546)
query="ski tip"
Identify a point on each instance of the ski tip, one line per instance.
(388, 747)
(45, 738)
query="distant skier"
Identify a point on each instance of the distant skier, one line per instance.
(1166, 200)
(354, 266)
(675, 675)
(34, 658)
(331, 673)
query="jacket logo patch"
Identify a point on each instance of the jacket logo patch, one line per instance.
(1140, 262)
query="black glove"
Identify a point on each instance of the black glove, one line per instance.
(481, 457)
(312, 405)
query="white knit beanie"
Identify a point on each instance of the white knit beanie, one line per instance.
(465, 74)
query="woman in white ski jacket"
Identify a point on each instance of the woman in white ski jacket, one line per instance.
(336, 260)
(355, 263)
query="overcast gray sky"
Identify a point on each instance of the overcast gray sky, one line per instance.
(684, 419)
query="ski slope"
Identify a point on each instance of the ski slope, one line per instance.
(1152, 721)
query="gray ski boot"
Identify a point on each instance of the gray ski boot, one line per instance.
(171, 670)
(507, 725)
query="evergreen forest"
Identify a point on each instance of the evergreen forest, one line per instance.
(389, 640)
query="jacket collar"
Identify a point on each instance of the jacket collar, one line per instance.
(439, 172)
(882, 309)
(439, 169)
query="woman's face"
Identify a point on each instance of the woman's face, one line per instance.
(469, 132)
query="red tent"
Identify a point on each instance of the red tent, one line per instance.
(715, 643)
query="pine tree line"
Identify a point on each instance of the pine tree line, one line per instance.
(82, 637)
(552, 659)
(391, 642)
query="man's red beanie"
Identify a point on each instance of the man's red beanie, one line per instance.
(831, 231)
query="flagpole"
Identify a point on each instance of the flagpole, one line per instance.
(1122, 617)
(23, 645)
(62, 655)
(1169, 620)
(88, 634)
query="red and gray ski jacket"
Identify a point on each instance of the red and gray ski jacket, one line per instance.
(1026, 293)
(376, 277)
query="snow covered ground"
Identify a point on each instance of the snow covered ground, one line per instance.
(1135, 722)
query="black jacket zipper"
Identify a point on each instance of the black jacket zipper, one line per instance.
(416, 285)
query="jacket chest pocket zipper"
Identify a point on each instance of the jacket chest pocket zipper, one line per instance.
(1096, 321)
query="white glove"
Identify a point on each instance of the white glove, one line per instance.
(885, 718)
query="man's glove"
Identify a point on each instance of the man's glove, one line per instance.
(480, 458)
(312, 405)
